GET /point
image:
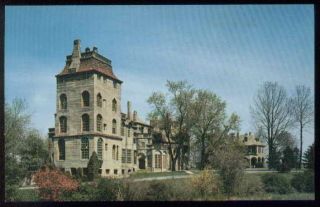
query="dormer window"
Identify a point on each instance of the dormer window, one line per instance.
(114, 84)
(245, 139)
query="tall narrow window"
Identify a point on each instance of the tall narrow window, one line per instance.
(63, 101)
(114, 105)
(85, 122)
(117, 153)
(63, 124)
(114, 126)
(129, 132)
(85, 98)
(135, 156)
(99, 148)
(62, 152)
(99, 123)
(122, 129)
(84, 148)
(113, 152)
(99, 100)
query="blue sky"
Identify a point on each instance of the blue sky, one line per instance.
(228, 49)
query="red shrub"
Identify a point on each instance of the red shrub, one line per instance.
(52, 183)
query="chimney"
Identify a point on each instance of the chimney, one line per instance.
(76, 55)
(135, 115)
(129, 110)
(237, 134)
(249, 133)
(87, 49)
(95, 49)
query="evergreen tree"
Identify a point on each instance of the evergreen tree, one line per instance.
(94, 165)
(296, 155)
(288, 161)
(308, 157)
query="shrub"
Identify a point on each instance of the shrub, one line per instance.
(86, 192)
(229, 160)
(157, 191)
(250, 185)
(276, 183)
(94, 165)
(205, 183)
(303, 182)
(109, 189)
(53, 183)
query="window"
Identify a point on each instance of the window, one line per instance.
(115, 171)
(129, 156)
(99, 148)
(104, 127)
(117, 155)
(99, 123)
(62, 152)
(114, 126)
(85, 98)
(84, 148)
(85, 122)
(99, 100)
(104, 103)
(129, 132)
(114, 152)
(123, 157)
(107, 171)
(122, 129)
(158, 161)
(63, 124)
(106, 147)
(114, 105)
(114, 84)
(135, 157)
(63, 101)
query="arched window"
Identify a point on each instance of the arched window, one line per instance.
(114, 105)
(63, 101)
(99, 100)
(99, 148)
(63, 124)
(114, 152)
(85, 122)
(62, 152)
(85, 98)
(114, 126)
(84, 148)
(99, 123)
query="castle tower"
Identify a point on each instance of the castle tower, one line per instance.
(88, 116)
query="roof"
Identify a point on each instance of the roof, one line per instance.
(90, 62)
(251, 140)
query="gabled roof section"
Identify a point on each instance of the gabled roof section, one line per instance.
(90, 61)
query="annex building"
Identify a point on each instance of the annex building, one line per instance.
(88, 118)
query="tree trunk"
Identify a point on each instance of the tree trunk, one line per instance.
(202, 154)
(173, 164)
(271, 156)
(300, 156)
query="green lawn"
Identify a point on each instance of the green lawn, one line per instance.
(26, 195)
(144, 174)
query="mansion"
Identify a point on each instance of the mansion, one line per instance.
(89, 119)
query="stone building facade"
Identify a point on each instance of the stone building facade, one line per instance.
(88, 118)
(255, 150)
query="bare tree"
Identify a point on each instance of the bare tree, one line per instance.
(174, 114)
(302, 111)
(272, 114)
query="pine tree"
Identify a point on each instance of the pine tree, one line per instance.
(308, 157)
(288, 161)
(94, 165)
